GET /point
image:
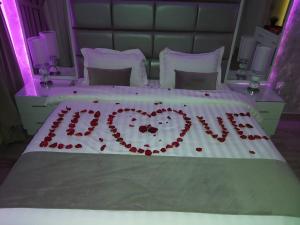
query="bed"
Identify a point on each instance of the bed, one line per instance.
(146, 155)
(150, 156)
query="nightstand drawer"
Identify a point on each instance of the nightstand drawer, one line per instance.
(269, 126)
(270, 110)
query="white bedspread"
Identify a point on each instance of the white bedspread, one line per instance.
(196, 142)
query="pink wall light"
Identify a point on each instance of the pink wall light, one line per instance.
(13, 22)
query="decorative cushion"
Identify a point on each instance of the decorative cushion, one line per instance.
(119, 77)
(195, 80)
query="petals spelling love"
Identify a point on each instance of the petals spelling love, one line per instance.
(209, 131)
(75, 119)
(148, 128)
(71, 130)
(238, 127)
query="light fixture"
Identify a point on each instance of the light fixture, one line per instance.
(14, 25)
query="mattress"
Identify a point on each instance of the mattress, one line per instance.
(120, 155)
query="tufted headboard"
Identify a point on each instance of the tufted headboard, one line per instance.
(151, 25)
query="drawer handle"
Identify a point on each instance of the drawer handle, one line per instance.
(38, 106)
(264, 111)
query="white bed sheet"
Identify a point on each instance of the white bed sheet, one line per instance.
(193, 100)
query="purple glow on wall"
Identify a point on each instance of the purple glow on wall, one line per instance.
(285, 36)
(13, 22)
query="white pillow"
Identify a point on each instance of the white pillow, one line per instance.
(113, 59)
(203, 63)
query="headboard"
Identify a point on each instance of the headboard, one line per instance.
(151, 25)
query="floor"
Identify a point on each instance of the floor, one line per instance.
(286, 140)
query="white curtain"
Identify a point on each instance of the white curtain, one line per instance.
(57, 19)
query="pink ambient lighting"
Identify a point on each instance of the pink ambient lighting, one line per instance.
(285, 36)
(13, 22)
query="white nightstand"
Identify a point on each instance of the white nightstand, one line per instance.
(268, 103)
(31, 102)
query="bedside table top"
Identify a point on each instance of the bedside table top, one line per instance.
(34, 89)
(265, 94)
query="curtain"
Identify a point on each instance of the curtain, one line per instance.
(287, 65)
(57, 19)
(10, 82)
(33, 17)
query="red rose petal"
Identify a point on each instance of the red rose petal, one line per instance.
(148, 152)
(199, 149)
(48, 139)
(142, 129)
(69, 146)
(60, 146)
(97, 114)
(78, 146)
(53, 145)
(221, 139)
(240, 132)
(133, 149)
(175, 144)
(51, 134)
(249, 125)
(87, 133)
(163, 150)
(74, 120)
(251, 137)
(117, 135)
(79, 134)
(103, 147)
(141, 150)
(152, 130)
(42, 144)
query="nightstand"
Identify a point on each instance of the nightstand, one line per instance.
(31, 102)
(268, 103)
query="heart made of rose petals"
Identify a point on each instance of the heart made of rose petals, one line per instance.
(173, 144)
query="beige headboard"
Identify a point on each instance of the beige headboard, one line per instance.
(187, 26)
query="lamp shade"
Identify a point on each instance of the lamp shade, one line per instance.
(37, 51)
(247, 47)
(262, 59)
(51, 43)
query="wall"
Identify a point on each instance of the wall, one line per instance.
(255, 13)
(286, 69)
